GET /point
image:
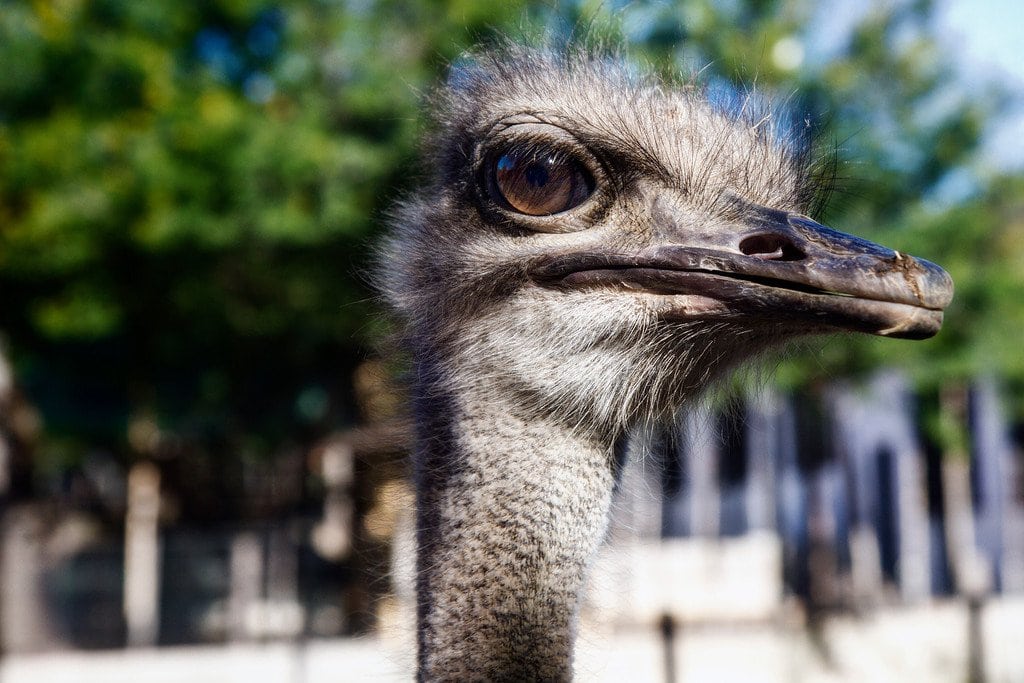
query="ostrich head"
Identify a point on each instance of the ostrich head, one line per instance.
(602, 246)
(591, 249)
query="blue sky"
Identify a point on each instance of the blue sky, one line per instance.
(988, 37)
(989, 33)
(985, 40)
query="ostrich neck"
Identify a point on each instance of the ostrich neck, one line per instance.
(511, 510)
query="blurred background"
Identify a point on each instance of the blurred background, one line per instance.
(203, 461)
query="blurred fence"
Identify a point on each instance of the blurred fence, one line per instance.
(730, 515)
(865, 510)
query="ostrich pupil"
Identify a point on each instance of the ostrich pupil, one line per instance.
(536, 174)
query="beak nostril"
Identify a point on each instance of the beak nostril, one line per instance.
(771, 247)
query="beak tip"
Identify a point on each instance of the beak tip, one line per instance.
(936, 286)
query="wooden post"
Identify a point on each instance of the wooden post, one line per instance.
(332, 536)
(6, 389)
(246, 584)
(762, 455)
(142, 556)
(701, 454)
(975, 640)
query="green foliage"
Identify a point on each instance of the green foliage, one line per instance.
(188, 191)
(980, 241)
(187, 194)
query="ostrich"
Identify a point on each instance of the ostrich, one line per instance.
(592, 248)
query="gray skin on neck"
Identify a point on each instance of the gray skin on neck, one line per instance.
(537, 340)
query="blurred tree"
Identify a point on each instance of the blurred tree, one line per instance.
(186, 197)
(188, 192)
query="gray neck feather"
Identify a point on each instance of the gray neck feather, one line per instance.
(511, 511)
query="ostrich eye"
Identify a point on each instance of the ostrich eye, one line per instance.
(541, 184)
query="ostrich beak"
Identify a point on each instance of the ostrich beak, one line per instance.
(779, 267)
